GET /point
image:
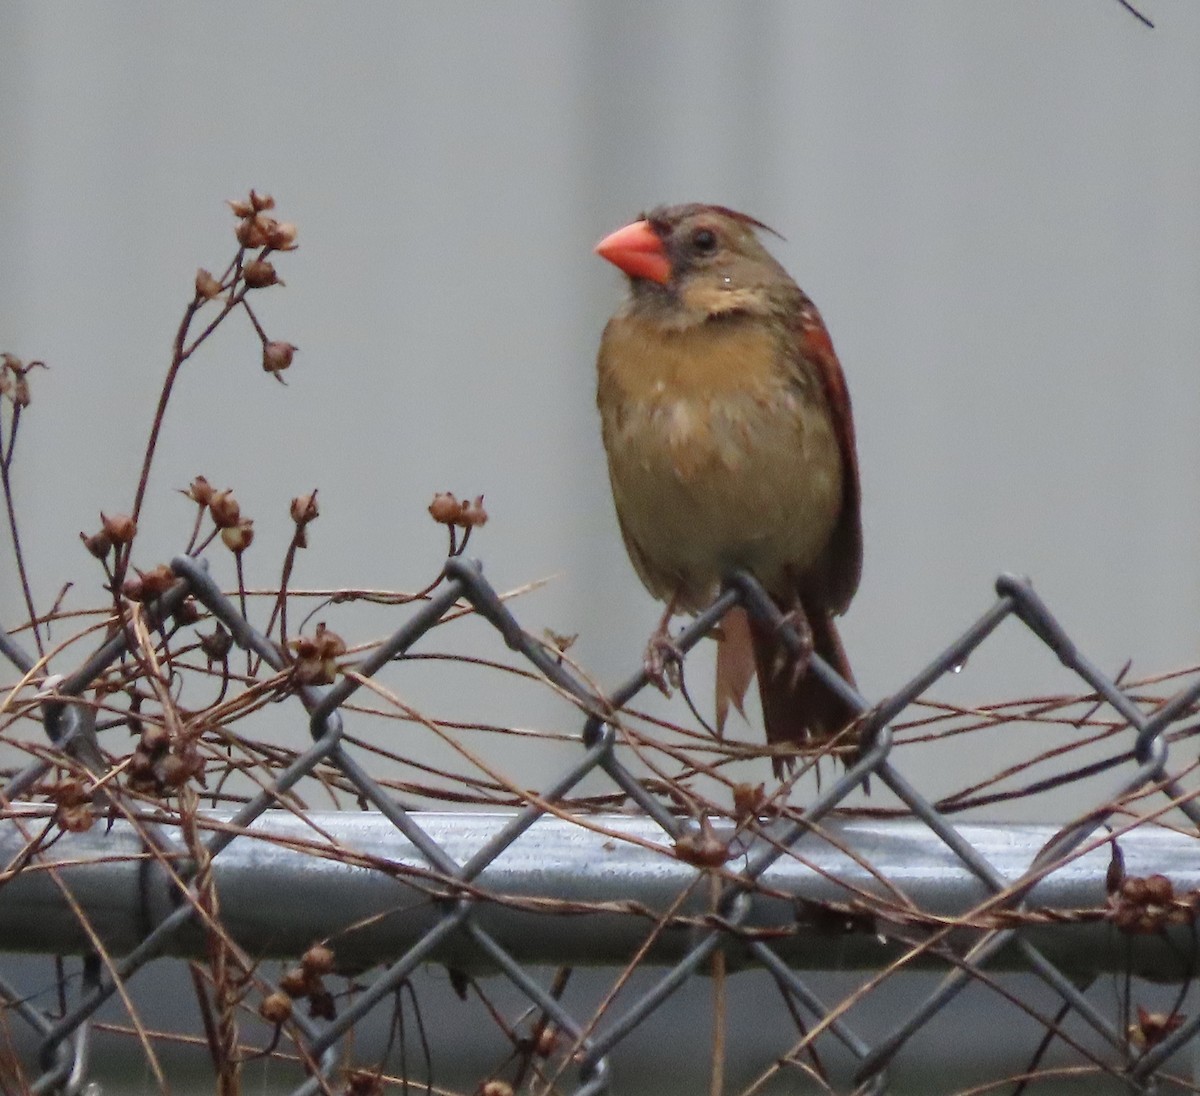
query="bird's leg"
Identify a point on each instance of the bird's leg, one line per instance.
(663, 657)
(796, 618)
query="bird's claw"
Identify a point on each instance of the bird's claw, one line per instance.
(662, 662)
(784, 659)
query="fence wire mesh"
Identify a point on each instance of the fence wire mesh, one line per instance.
(205, 843)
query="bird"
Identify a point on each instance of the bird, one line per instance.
(727, 426)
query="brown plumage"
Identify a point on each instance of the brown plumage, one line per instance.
(730, 444)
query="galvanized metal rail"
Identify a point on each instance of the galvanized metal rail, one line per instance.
(614, 874)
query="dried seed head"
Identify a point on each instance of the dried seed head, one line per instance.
(68, 792)
(157, 581)
(239, 537)
(276, 1008)
(155, 740)
(1153, 1027)
(362, 1082)
(1159, 889)
(281, 236)
(560, 642)
(174, 771)
(318, 959)
(224, 508)
(1134, 889)
(1147, 905)
(259, 273)
(78, 819)
(495, 1087)
(217, 644)
(702, 849)
(473, 513)
(20, 394)
(261, 201)
(329, 643)
(445, 508)
(195, 762)
(14, 379)
(316, 657)
(207, 286)
(304, 509)
(748, 800)
(295, 983)
(199, 490)
(251, 232)
(141, 765)
(120, 528)
(98, 544)
(277, 356)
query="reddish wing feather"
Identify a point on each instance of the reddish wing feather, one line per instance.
(843, 560)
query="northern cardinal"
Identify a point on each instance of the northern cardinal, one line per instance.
(730, 444)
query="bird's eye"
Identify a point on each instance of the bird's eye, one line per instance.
(704, 240)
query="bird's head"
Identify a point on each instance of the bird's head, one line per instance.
(703, 258)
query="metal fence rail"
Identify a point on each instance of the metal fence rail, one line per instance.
(678, 891)
(583, 866)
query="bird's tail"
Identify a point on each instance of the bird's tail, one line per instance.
(800, 708)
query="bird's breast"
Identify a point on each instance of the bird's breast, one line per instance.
(718, 458)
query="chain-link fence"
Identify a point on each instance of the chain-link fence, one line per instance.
(206, 844)
(159, 803)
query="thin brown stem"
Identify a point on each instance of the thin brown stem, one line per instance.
(10, 510)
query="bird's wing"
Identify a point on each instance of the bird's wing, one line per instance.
(835, 577)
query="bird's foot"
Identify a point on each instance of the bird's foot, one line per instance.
(662, 661)
(796, 663)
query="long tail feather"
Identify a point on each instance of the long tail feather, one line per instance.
(800, 709)
(735, 664)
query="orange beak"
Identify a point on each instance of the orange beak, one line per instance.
(638, 250)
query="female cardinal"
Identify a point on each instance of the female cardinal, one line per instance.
(730, 445)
